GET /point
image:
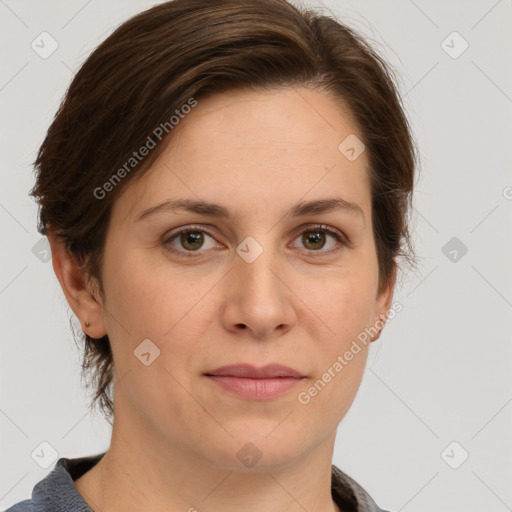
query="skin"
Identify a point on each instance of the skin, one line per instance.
(176, 434)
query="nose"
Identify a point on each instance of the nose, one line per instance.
(258, 299)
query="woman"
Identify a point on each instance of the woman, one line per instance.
(225, 189)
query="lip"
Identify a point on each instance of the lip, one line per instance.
(253, 383)
(269, 371)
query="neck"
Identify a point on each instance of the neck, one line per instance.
(144, 472)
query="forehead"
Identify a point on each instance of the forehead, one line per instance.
(277, 119)
(248, 146)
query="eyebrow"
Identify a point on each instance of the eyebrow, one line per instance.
(209, 209)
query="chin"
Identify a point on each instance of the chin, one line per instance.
(250, 451)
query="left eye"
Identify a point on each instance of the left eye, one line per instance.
(316, 239)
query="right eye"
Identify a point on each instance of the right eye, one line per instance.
(190, 240)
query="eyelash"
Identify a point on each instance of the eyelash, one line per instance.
(342, 240)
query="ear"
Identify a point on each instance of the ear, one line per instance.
(83, 300)
(383, 304)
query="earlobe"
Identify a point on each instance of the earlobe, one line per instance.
(77, 289)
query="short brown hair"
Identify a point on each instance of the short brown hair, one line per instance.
(154, 63)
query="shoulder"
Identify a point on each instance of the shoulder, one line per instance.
(22, 506)
(349, 495)
(57, 492)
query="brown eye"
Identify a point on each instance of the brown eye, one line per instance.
(186, 242)
(192, 240)
(313, 239)
(322, 240)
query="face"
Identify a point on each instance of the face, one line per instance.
(258, 281)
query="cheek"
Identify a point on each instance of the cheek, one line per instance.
(341, 305)
(342, 309)
(146, 297)
(342, 313)
(156, 302)
(332, 393)
(145, 302)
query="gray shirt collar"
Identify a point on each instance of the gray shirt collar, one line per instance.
(57, 492)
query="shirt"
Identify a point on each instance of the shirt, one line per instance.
(57, 492)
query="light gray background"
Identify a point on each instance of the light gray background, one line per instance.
(441, 371)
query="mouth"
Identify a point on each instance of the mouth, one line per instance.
(253, 383)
